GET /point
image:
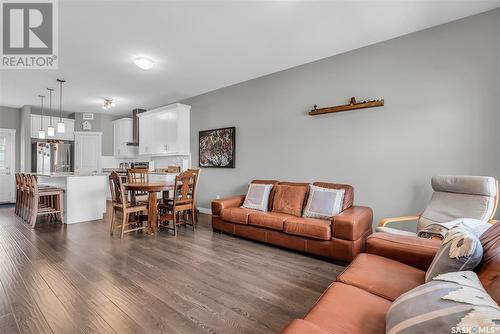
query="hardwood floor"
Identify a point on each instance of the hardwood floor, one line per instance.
(78, 279)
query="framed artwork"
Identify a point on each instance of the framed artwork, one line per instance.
(217, 148)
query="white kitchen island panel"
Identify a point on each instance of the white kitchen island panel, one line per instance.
(84, 195)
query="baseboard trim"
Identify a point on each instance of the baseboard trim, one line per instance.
(205, 210)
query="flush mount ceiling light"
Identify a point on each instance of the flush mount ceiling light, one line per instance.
(108, 104)
(144, 63)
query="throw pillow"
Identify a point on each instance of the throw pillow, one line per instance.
(451, 303)
(324, 203)
(460, 250)
(257, 196)
(289, 199)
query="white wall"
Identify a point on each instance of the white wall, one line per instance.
(441, 88)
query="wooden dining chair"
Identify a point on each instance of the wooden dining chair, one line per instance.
(181, 206)
(122, 205)
(138, 175)
(197, 172)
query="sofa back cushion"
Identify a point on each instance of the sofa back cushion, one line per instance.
(348, 192)
(289, 198)
(271, 195)
(489, 269)
(459, 197)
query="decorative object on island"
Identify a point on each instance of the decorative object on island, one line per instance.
(217, 148)
(353, 105)
(41, 132)
(50, 129)
(60, 124)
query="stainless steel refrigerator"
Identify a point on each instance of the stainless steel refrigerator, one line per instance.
(51, 158)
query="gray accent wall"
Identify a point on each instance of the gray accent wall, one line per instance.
(10, 118)
(441, 89)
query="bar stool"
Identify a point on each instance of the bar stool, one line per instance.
(43, 201)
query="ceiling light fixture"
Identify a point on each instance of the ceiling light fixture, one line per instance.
(60, 124)
(144, 63)
(108, 104)
(50, 129)
(41, 132)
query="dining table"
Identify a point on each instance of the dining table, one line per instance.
(152, 188)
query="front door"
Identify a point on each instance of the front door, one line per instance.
(7, 156)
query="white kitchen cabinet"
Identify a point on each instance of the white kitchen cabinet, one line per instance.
(69, 127)
(122, 135)
(165, 131)
(88, 152)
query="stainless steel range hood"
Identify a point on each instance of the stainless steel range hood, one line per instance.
(135, 128)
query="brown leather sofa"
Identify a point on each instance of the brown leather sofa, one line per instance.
(359, 299)
(341, 238)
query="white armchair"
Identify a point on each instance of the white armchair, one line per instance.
(454, 197)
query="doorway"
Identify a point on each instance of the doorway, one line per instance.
(7, 165)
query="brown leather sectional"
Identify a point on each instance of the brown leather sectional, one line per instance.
(341, 238)
(357, 302)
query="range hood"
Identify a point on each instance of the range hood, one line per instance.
(135, 127)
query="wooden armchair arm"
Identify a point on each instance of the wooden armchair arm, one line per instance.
(386, 221)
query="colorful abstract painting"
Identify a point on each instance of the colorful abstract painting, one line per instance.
(217, 148)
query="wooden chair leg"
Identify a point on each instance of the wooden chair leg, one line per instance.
(124, 221)
(193, 219)
(112, 221)
(60, 207)
(174, 221)
(34, 212)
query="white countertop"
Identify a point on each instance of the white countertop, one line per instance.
(70, 174)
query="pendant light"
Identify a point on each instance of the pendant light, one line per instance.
(41, 132)
(60, 124)
(50, 129)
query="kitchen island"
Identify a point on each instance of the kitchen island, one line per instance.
(84, 194)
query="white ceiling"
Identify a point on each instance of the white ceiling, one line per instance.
(202, 46)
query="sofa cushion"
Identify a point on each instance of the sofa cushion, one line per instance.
(323, 203)
(258, 196)
(272, 220)
(381, 276)
(345, 309)
(236, 215)
(299, 326)
(309, 227)
(289, 199)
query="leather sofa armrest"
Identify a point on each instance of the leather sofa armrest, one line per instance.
(228, 202)
(299, 326)
(414, 251)
(353, 223)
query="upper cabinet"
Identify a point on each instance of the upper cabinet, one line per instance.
(37, 123)
(165, 130)
(122, 136)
